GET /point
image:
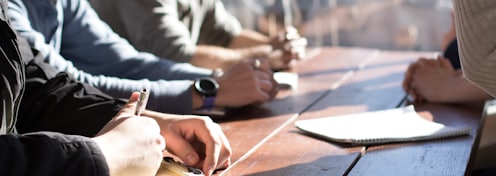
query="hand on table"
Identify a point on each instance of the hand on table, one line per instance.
(430, 79)
(243, 84)
(196, 140)
(288, 45)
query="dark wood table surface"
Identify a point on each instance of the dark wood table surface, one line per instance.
(337, 81)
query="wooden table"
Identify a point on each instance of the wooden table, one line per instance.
(336, 81)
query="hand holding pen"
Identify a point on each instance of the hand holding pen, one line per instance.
(131, 143)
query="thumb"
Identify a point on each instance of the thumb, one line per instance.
(130, 106)
(133, 99)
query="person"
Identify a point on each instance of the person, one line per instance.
(202, 33)
(52, 124)
(476, 42)
(71, 37)
(441, 80)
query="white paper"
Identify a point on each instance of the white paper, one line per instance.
(393, 125)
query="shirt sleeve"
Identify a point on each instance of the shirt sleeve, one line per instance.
(108, 61)
(48, 153)
(155, 25)
(476, 34)
(219, 27)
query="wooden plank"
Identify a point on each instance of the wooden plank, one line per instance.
(251, 127)
(291, 153)
(440, 157)
(444, 157)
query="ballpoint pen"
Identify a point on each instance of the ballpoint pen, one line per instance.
(142, 101)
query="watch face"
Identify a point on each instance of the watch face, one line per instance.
(206, 86)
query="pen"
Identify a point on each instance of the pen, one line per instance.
(142, 100)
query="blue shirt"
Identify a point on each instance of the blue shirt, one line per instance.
(71, 37)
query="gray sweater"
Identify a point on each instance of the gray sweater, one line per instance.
(169, 28)
(476, 32)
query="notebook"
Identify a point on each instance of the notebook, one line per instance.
(377, 127)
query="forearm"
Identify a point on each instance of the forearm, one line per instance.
(477, 41)
(214, 57)
(462, 90)
(249, 38)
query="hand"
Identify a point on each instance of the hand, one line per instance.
(196, 140)
(407, 83)
(242, 84)
(131, 145)
(214, 57)
(288, 46)
(431, 80)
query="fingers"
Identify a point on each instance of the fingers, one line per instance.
(248, 82)
(295, 45)
(263, 65)
(217, 156)
(280, 60)
(133, 98)
(290, 33)
(446, 64)
(182, 148)
(409, 83)
(295, 49)
(408, 78)
(200, 143)
(264, 80)
(275, 89)
(426, 79)
(130, 106)
(291, 43)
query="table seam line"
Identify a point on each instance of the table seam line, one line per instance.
(333, 87)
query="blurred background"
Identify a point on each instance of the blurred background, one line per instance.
(384, 24)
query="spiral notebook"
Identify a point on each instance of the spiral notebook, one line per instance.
(377, 127)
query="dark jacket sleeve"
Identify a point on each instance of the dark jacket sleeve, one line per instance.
(48, 153)
(44, 100)
(55, 101)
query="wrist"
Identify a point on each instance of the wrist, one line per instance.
(197, 99)
(103, 146)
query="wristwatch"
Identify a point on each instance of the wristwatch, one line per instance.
(207, 87)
